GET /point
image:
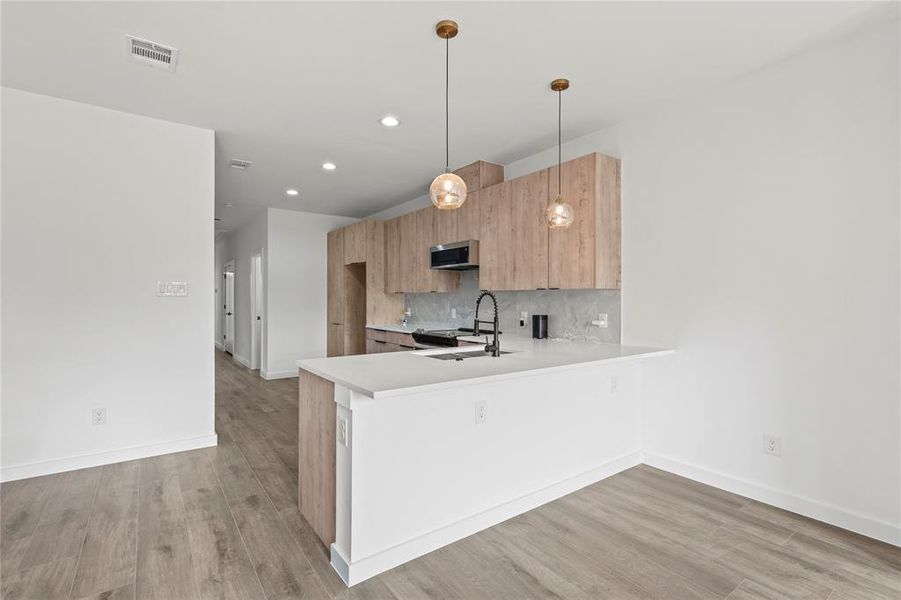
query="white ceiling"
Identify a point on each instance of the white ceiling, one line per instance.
(289, 85)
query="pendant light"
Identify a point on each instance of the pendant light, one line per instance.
(560, 214)
(448, 191)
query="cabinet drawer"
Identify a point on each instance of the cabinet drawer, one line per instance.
(401, 339)
(376, 334)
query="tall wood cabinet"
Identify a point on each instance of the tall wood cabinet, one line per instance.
(356, 286)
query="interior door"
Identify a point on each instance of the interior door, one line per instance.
(228, 307)
(256, 309)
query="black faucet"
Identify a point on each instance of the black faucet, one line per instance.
(495, 348)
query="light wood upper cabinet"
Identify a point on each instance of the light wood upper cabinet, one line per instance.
(426, 224)
(446, 225)
(381, 305)
(468, 217)
(408, 246)
(496, 238)
(528, 197)
(355, 236)
(335, 276)
(588, 253)
(480, 174)
(393, 281)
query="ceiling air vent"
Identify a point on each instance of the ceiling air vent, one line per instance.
(237, 163)
(151, 53)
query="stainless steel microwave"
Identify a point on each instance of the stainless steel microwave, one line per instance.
(457, 256)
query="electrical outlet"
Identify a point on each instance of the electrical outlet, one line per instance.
(453, 313)
(601, 321)
(98, 416)
(772, 445)
(342, 432)
(481, 411)
(523, 318)
(614, 384)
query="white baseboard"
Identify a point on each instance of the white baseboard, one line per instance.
(362, 569)
(278, 374)
(873, 528)
(84, 461)
(241, 360)
(219, 346)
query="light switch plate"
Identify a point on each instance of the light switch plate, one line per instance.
(172, 288)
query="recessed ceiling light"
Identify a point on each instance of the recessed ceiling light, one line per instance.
(291, 192)
(390, 121)
(329, 166)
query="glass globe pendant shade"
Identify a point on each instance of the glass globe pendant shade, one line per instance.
(448, 191)
(560, 215)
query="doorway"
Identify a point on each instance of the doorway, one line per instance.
(256, 309)
(228, 308)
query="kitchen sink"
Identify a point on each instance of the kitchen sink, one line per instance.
(462, 355)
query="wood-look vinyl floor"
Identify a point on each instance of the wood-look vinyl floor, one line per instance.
(223, 523)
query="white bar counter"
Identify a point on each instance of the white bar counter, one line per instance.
(429, 451)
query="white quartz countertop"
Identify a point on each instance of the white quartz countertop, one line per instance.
(395, 373)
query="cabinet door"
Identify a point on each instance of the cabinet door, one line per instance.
(572, 252)
(496, 238)
(335, 276)
(408, 266)
(428, 229)
(392, 256)
(425, 234)
(335, 340)
(446, 226)
(468, 218)
(355, 242)
(528, 197)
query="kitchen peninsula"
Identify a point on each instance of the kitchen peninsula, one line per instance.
(402, 453)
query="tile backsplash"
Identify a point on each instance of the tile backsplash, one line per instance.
(567, 310)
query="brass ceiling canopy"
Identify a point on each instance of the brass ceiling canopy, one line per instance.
(558, 85)
(447, 29)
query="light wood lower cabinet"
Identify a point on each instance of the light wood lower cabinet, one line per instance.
(316, 457)
(378, 340)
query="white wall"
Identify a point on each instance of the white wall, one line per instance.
(99, 205)
(238, 246)
(296, 288)
(773, 207)
(761, 239)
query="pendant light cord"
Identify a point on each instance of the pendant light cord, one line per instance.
(446, 105)
(559, 144)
